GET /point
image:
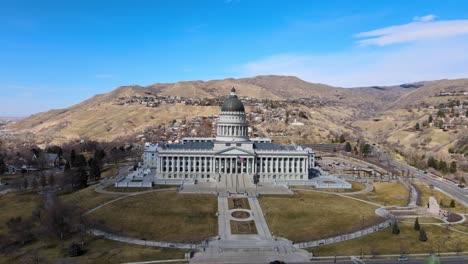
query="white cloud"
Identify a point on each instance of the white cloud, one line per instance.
(425, 18)
(432, 50)
(423, 29)
(366, 67)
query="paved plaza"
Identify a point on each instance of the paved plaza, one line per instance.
(252, 248)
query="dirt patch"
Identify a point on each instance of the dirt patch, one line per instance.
(247, 227)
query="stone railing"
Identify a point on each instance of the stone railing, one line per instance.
(345, 237)
(142, 242)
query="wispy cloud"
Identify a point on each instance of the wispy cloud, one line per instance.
(423, 29)
(425, 18)
(104, 76)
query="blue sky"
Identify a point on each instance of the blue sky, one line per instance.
(57, 53)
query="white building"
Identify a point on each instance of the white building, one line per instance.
(230, 153)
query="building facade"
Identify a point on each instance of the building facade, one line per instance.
(231, 152)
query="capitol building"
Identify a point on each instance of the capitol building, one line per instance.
(230, 153)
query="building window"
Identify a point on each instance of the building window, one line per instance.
(238, 144)
(228, 144)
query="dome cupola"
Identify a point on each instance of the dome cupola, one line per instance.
(232, 103)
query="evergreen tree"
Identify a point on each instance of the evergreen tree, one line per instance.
(441, 113)
(442, 166)
(422, 235)
(34, 184)
(42, 180)
(432, 163)
(430, 119)
(366, 150)
(52, 180)
(67, 167)
(462, 180)
(395, 228)
(25, 183)
(453, 167)
(99, 155)
(342, 139)
(348, 147)
(417, 126)
(2, 165)
(417, 226)
(94, 169)
(72, 158)
(80, 161)
(452, 203)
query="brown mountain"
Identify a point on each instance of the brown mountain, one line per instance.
(100, 118)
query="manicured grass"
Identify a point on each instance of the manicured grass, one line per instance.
(87, 198)
(98, 250)
(442, 199)
(17, 204)
(238, 203)
(112, 188)
(243, 227)
(386, 193)
(307, 216)
(162, 216)
(384, 242)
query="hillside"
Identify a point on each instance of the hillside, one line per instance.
(385, 115)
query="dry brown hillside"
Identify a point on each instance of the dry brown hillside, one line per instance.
(334, 111)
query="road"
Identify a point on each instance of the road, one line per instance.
(459, 194)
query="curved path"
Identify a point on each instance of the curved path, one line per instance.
(126, 196)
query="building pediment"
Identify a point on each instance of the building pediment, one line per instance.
(234, 151)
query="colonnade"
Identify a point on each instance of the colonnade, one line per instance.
(232, 130)
(206, 166)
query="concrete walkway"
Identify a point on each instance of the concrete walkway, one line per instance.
(126, 196)
(260, 222)
(224, 225)
(251, 248)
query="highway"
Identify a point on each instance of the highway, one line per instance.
(460, 195)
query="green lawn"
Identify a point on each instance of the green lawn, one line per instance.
(162, 216)
(307, 216)
(386, 193)
(384, 242)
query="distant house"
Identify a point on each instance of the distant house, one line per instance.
(50, 159)
(10, 169)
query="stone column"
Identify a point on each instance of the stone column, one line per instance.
(247, 166)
